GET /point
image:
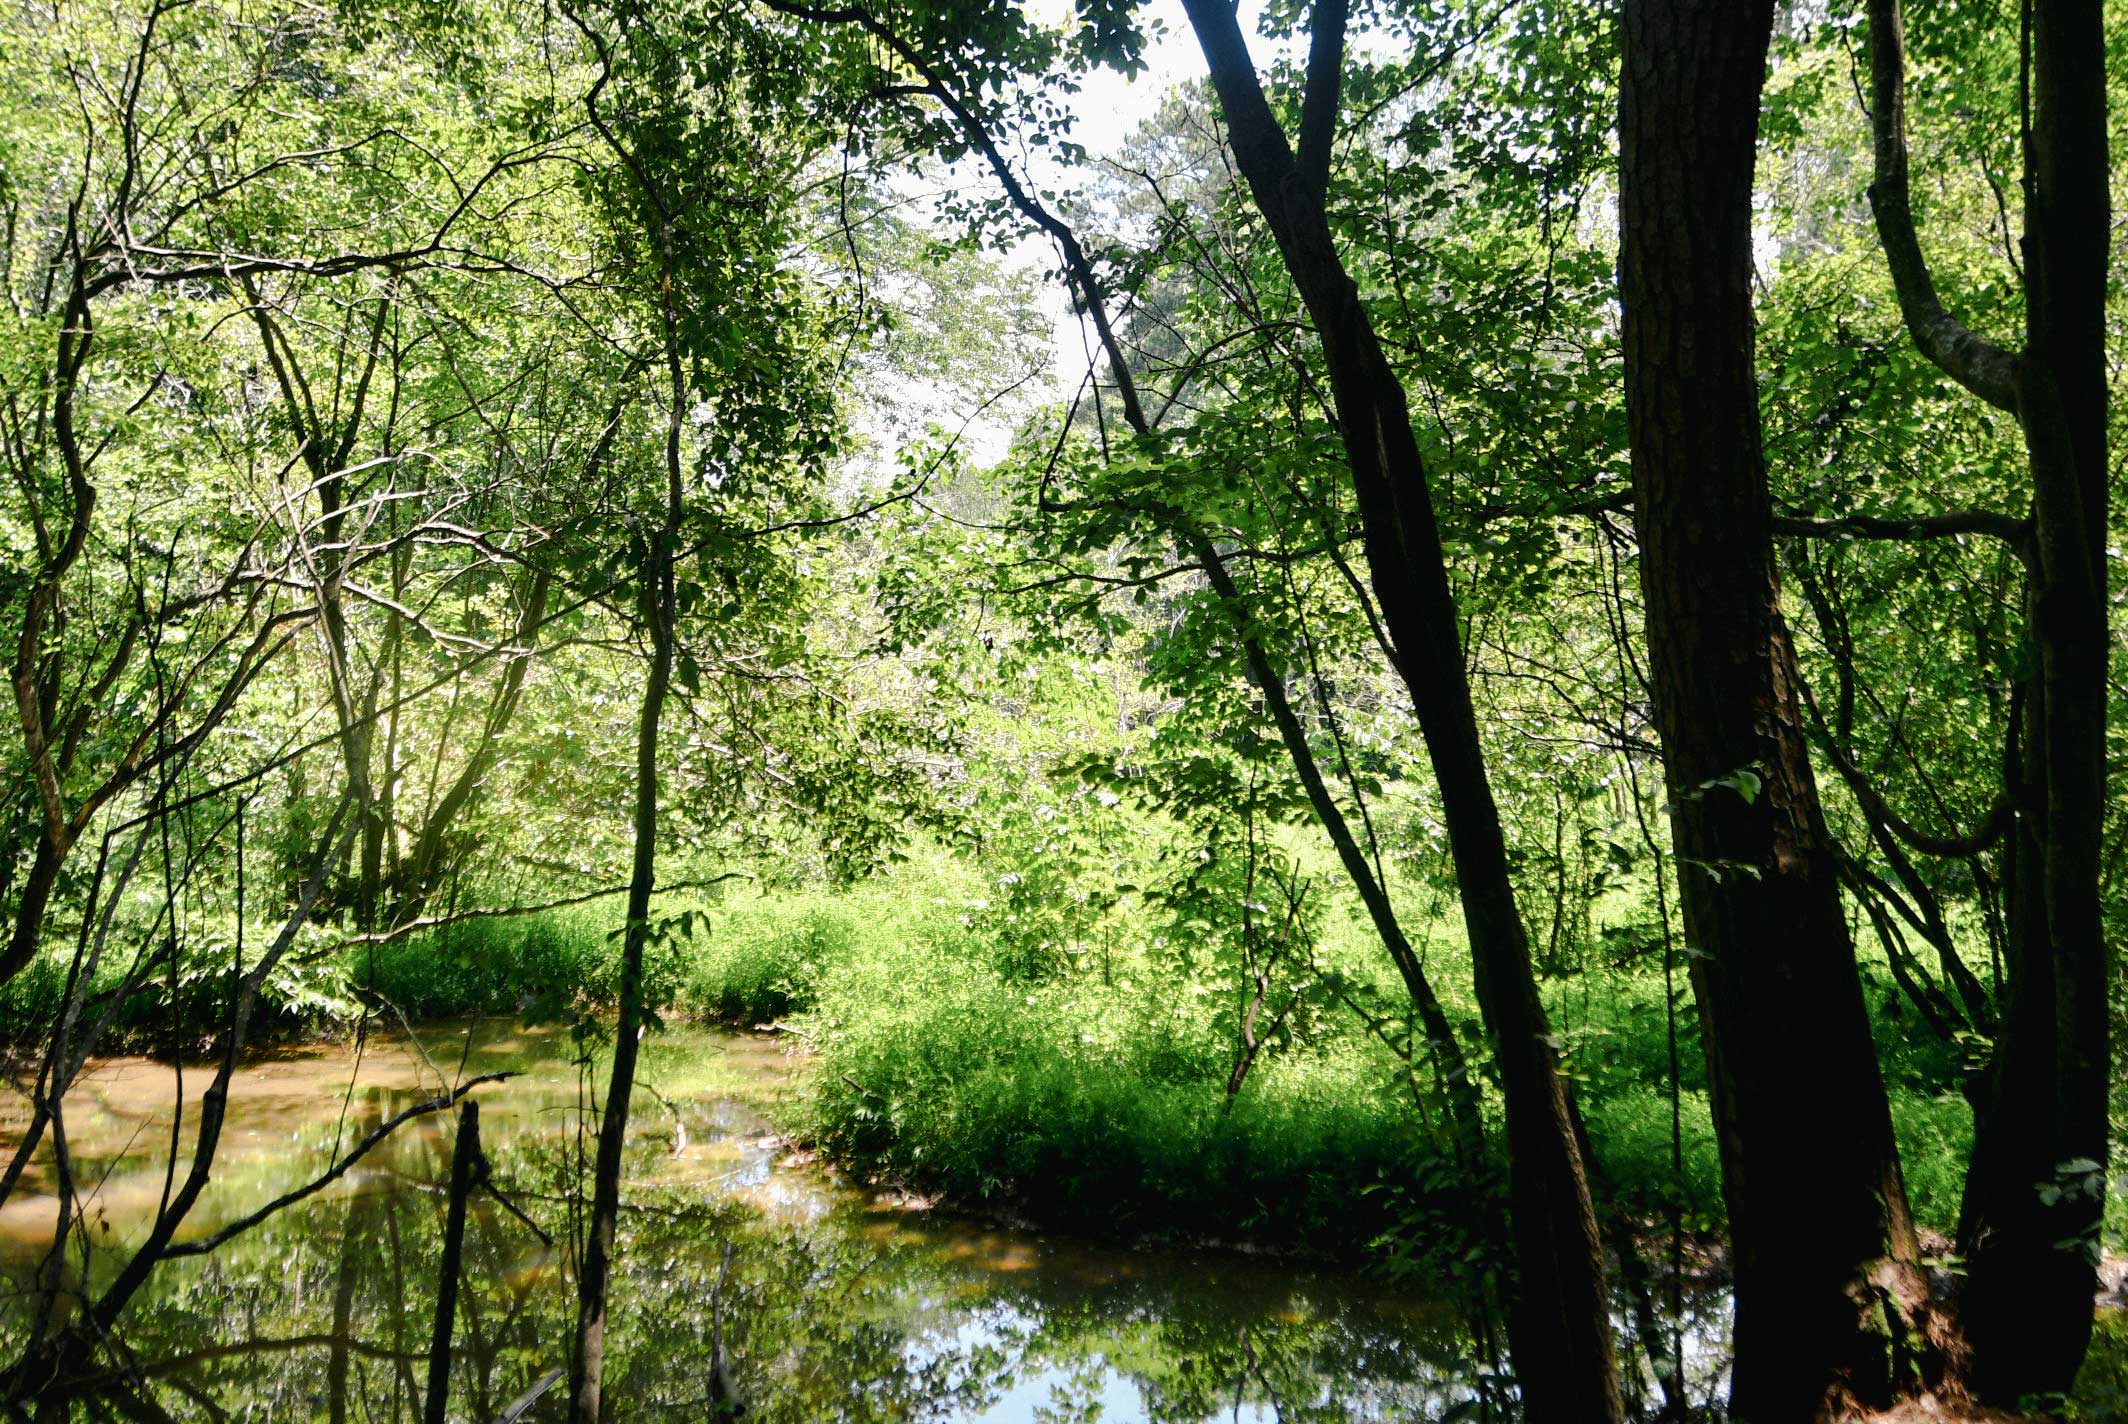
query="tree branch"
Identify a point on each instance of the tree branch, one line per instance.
(2015, 532)
(1319, 103)
(1985, 369)
(338, 1170)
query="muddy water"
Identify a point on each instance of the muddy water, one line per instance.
(829, 1303)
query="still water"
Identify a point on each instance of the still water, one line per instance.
(825, 1301)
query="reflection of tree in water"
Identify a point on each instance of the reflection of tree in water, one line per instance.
(1195, 1349)
(324, 1313)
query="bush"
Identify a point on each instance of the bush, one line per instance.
(1102, 1107)
(762, 960)
(185, 1010)
(495, 966)
(1935, 1136)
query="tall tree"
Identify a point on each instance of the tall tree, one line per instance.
(2034, 1197)
(1827, 1298)
(1560, 1319)
(701, 115)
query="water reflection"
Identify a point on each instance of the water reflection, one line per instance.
(834, 1305)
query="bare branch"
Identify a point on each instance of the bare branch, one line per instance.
(338, 1170)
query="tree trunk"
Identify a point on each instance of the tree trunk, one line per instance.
(27, 931)
(1559, 1325)
(2035, 1191)
(465, 1158)
(613, 1124)
(423, 867)
(1828, 1287)
(2034, 1194)
(1465, 1116)
(659, 610)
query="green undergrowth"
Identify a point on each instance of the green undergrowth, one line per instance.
(1092, 1096)
(180, 1009)
(1103, 1106)
(526, 965)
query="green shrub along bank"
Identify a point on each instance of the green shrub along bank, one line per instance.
(1091, 1094)
(174, 1008)
(1095, 1097)
(1104, 1106)
(532, 965)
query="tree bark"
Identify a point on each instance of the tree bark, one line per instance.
(1828, 1287)
(2035, 1189)
(1559, 1325)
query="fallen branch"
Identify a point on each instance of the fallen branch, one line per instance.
(518, 1407)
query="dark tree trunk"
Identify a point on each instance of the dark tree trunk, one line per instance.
(658, 610)
(465, 1159)
(589, 1357)
(1828, 1289)
(1559, 1326)
(2035, 1192)
(24, 935)
(2034, 1196)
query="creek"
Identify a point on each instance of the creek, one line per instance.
(832, 1301)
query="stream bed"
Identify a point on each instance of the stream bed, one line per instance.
(825, 1300)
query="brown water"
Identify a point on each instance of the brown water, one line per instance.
(836, 1304)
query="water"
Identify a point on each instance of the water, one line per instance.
(834, 1302)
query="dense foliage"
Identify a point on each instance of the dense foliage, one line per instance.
(390, 395)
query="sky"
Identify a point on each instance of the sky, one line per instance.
(1107, 109)
(1105, 112)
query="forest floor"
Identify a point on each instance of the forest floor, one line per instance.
(1931, 1410)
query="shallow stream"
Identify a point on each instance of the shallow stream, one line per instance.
(832, 1302)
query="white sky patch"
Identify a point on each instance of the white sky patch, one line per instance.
(1106, 111)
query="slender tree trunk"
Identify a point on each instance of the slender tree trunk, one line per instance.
(2035, 1191)
(1559, 1325)
(465, 1157)
(659, 611)
(1824, 1250)
(27, 931)
(1466, 1119)
(613, 1123)
(423, 867)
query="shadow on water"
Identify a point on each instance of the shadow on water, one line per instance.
(830, 1305)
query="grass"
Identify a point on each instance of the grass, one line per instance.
(1103, 1106)
(1092, 1098)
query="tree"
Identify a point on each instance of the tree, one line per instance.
(2034, 1190)
(1560, 1318)
(1829, 1302)
(699, 207)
